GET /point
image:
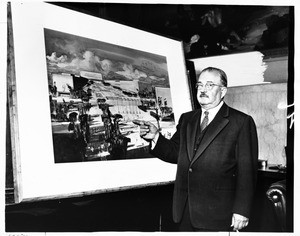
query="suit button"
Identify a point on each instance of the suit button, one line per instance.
(190, 170)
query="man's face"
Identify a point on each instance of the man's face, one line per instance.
(210, 98)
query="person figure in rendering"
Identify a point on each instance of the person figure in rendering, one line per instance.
(216, 151)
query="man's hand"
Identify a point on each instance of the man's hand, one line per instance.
(239, 222)
(147, 130)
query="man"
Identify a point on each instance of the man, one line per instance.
(216, 166)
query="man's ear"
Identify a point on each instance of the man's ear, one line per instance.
(223, 91)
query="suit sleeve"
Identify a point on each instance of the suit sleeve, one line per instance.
(246, 174)
(168, 149)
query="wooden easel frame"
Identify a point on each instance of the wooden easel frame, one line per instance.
(13, 111)
(43, 181)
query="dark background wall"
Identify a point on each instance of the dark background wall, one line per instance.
(222, 28)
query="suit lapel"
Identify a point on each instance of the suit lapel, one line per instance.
(191, 133)
(214, 128)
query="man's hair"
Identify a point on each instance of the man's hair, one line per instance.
(218, 71)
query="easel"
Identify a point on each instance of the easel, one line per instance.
(13, 190)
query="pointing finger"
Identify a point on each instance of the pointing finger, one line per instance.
(138, 122)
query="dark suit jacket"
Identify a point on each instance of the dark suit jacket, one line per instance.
(220, 177)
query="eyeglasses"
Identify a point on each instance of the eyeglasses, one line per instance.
(207, 86)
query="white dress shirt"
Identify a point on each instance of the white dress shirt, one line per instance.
(211, 112)
(211, 115)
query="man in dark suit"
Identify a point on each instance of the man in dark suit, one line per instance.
(216, 151)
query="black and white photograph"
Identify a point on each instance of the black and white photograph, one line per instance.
(96, 91)
(143, 117)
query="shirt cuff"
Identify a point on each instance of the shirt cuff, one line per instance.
(154, 141)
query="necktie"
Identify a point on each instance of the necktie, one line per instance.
(204, 122)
